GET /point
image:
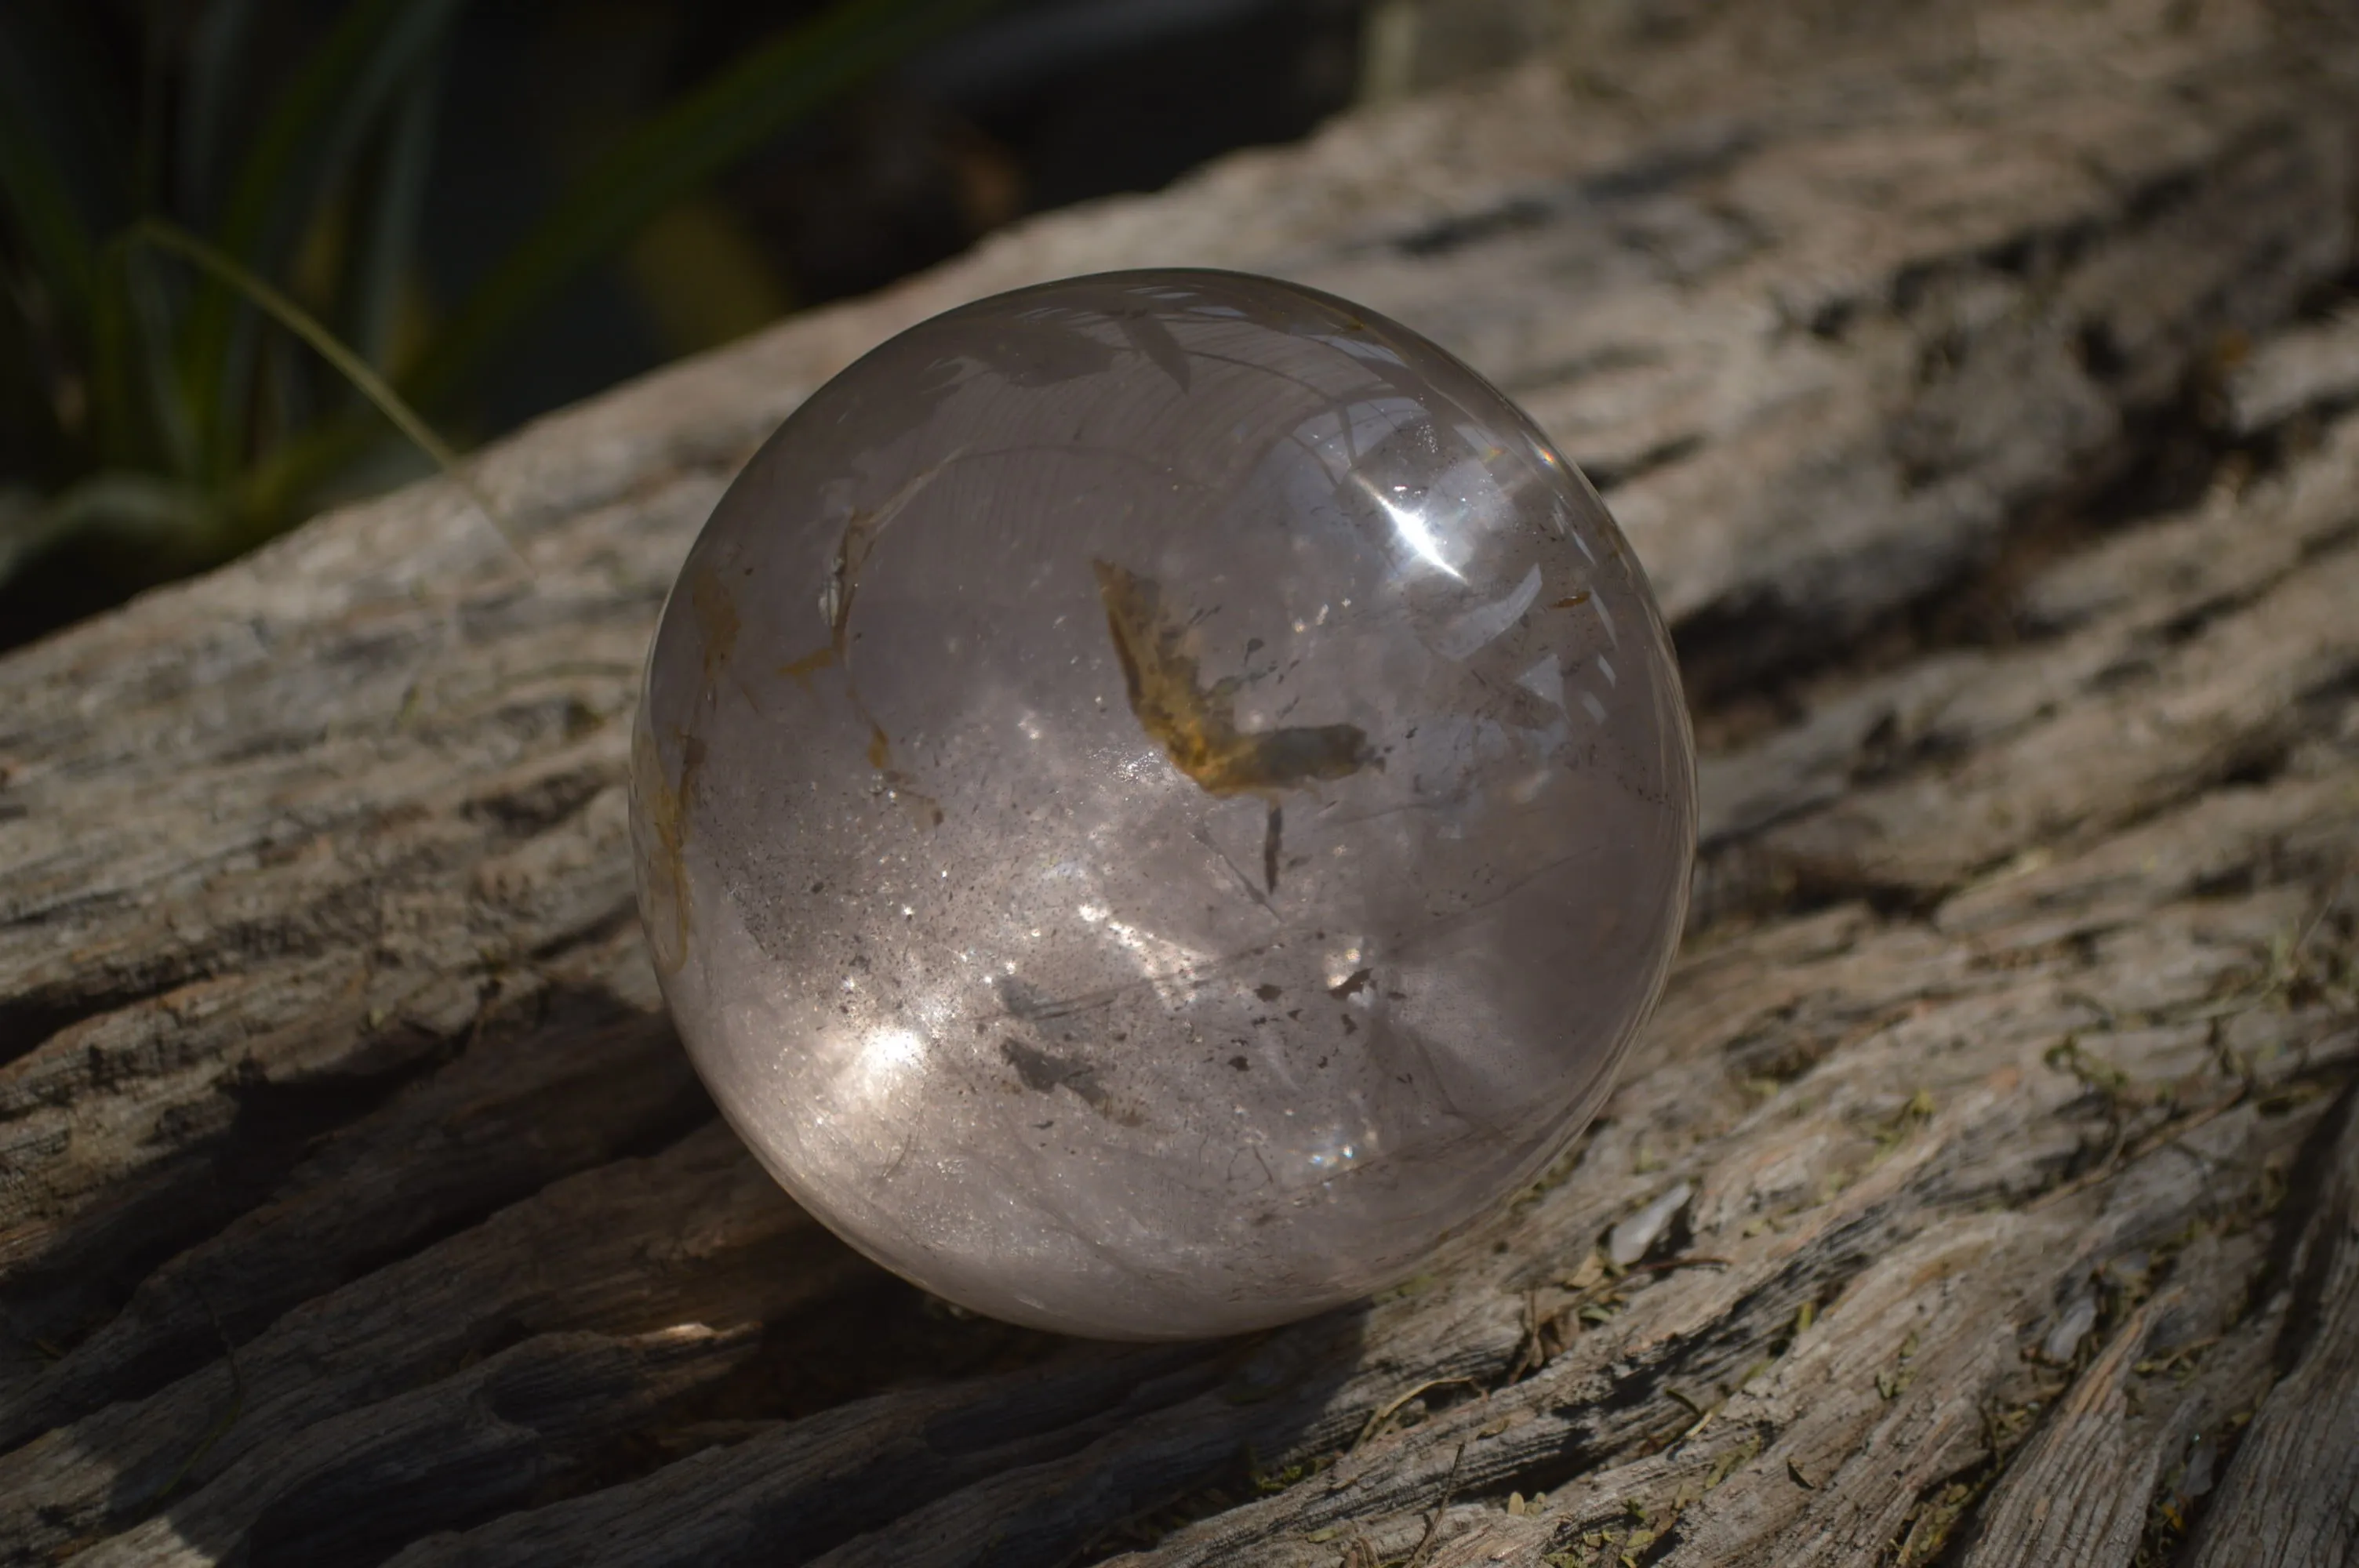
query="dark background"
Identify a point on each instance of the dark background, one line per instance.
(1032, 105)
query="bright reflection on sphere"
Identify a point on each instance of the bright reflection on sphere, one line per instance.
(1158, 797)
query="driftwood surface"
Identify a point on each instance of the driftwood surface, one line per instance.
(1985, 1191)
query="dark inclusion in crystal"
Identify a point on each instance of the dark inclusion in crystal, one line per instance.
(1197, 725)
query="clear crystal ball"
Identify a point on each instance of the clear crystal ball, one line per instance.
(1159, 798)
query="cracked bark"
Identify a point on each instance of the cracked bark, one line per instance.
(1979, 399)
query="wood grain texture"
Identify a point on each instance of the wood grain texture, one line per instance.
(1977, 390)
(2292, 1493)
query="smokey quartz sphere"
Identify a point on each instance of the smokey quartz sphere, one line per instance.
(1159, 798)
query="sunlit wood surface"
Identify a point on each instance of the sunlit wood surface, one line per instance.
(1986, 1188)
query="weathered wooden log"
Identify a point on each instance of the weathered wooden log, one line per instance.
(1986, 1188)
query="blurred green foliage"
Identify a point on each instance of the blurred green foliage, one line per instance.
(164, 254)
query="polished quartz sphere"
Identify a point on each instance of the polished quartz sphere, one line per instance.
(1158, 799)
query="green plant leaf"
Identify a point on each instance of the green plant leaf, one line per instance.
(387, 237)
(296, 319)
(319, 120)
(314, 128)
(138, 415)
(665, 158)
(309, 468)
(121, 417)
(133, 506)
(169, 425)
